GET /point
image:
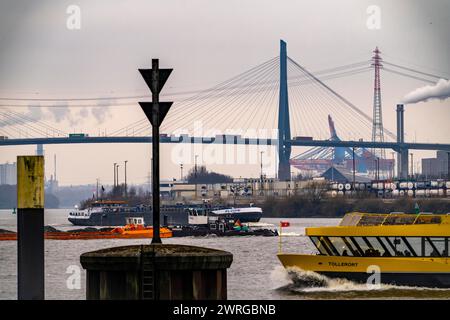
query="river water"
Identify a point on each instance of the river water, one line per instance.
(255, 272)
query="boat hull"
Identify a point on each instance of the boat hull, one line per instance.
(176, 215)
(170, 217)
(401, 271)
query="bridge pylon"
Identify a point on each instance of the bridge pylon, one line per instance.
(284, 129)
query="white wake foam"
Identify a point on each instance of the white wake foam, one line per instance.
(299, 280)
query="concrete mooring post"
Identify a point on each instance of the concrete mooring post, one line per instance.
(156, 272)
(30, 227)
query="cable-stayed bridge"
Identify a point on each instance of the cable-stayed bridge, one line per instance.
(277, 102)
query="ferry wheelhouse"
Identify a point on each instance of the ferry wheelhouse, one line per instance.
(405, 249)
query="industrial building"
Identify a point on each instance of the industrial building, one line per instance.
(8, 173)
(436, 167)
(243, 187)
(343, 175)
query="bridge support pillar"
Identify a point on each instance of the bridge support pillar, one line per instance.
(284, 129)
(402, 163)
(40, 150)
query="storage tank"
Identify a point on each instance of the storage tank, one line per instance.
(420, 185)
(403, 185)
(340, 193)
(420, 193)
(434, 192)
(340, 186)
(410, 185)
(348, 186)
(402, 193)
(395, 193)
(410, 193)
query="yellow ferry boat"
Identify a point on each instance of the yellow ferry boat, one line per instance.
(403, 249)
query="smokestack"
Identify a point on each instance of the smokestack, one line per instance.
(400, 124)
(402, 154)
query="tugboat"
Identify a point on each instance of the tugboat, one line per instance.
(404, 249)
(225, 222)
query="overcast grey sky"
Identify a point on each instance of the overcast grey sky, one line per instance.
(205, 42)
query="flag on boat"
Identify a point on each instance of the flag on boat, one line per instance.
(237, 225)
(284, 223)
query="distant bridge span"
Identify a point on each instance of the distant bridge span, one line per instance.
(237, 140)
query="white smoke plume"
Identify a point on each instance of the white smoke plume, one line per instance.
(441, 91)
(75, 117)
(103, 112)
(60, 113)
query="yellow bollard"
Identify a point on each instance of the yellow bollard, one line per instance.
(30, 182)
(30, 227)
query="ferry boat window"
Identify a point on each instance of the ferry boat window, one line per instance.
(328, 244)
(360, 244)
(385, 249)
(350, 219)
(423, 219)
(376, 247)
(399, 219)
(340, 246)
(353, 248)
(416, 245)
(371, 220)
(435, 247)
(320, 246)
(402, 247)
(369, 246)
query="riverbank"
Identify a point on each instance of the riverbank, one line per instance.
(302, 207)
